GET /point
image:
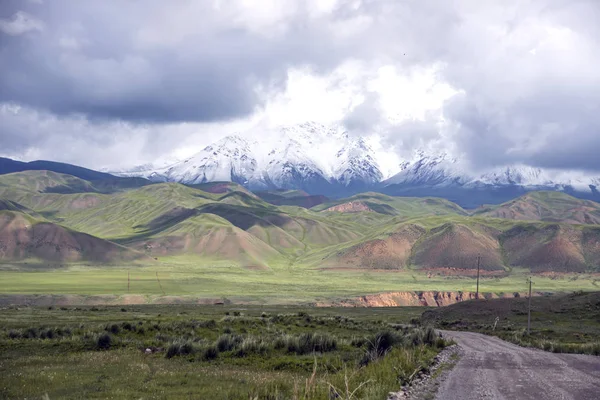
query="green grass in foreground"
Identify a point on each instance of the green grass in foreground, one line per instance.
(212, 352)
(567, 323)
(277, 286)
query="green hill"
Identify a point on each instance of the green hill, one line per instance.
(224, 221)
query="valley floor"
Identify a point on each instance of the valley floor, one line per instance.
(221, 282)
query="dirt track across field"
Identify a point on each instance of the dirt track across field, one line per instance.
(491, 368)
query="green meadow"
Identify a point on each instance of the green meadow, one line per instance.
(274, 286)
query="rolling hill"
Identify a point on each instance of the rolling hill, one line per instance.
(223, 221)
(546, 206)
(25, 238)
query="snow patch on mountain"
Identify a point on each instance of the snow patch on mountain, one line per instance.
(307, 156)
(328, 160)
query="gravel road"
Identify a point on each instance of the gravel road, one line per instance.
(491, 368)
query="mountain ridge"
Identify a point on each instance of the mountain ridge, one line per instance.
(326, 160)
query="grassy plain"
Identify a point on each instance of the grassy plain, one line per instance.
(283, 285)
(210, 352)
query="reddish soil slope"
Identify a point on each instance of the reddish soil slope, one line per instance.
(24, 238)
(392, 252)
(548, 248)
(458, 246)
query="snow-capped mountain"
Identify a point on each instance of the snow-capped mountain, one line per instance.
(444, 176)
(327, 160)
(310, 156)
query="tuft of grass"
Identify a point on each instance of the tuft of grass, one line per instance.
(228, 342)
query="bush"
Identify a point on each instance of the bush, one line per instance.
(307, 343)
(228, 342)
(30, 333)
(114, 329)
(210, 324)
(252, 345)
(13, 334)
(430, 336)
(379, 345)
(210, 353)
(179, 348)
(104, 341)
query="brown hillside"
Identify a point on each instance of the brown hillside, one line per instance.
(392, 252)
(24, 238)
(457, 246)
(591, 248)
(350, 207)
(224, 242)
(547, 206)
(547, 248)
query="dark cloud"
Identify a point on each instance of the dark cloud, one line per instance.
(527, 72)
(150, 61)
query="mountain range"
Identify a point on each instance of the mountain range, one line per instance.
(48, 218)
(329, 161)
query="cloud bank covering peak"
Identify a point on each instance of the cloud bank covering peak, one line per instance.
(115, 83)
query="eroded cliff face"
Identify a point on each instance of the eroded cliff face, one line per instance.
(417, 298)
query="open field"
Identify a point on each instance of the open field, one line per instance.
(276, 286)
(216, 352)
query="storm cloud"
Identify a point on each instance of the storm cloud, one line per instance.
(524, 75)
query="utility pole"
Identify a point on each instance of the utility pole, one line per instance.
(478, 261)
(529, 309)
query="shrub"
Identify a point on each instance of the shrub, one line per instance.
(307, 343)
(128, 327)
(210, 324)
(104, 341)
(114, 329)
(13, 334)
(429, 336)
(252, 345)
(228, 342)
(30, 333)
(379, 345)
(210, 353)
(179, 348)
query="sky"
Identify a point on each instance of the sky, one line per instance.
(110, 84)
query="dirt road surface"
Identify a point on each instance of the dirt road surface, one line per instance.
(491, 368)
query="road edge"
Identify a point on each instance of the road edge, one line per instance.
(425, 386)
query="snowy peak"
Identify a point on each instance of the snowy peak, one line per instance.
(309, 156)
(357, 165)
(229, 159)
(328, 160)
